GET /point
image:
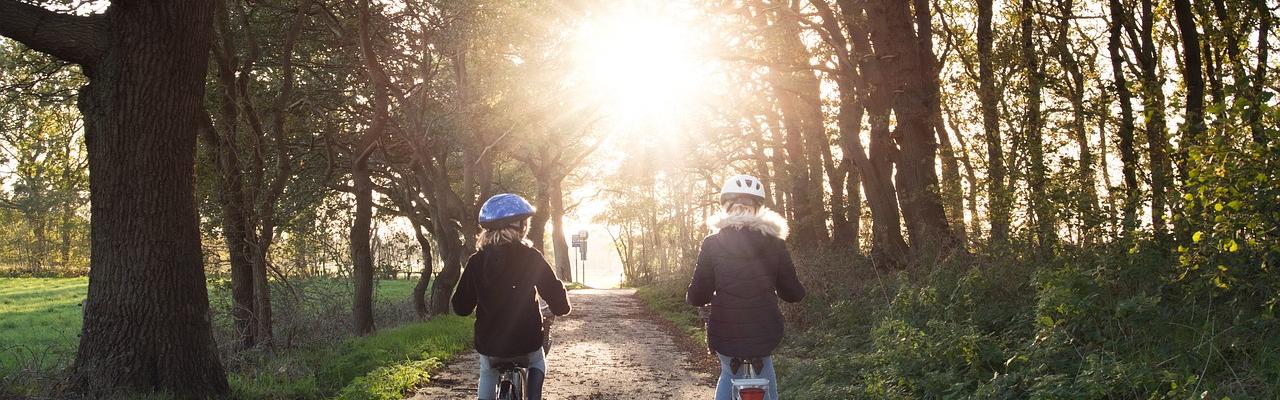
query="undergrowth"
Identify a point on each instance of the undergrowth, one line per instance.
(1103, 322)
(667, 299)
(385, 365)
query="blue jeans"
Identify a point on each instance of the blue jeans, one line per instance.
(489, 376)
(724, 388)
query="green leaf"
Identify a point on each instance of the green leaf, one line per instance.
(1045, 321)
(1232, 246)
(1195, 237)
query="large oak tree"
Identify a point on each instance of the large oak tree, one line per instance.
(146, 319)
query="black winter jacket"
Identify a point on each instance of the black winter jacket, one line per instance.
(742, 273)
(499, 284)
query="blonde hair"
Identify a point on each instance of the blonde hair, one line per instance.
(514, 233)
(732, 208)
(749, 216)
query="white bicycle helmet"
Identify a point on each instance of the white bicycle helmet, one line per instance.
(739, 186)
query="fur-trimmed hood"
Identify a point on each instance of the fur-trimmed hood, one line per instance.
(765, 221)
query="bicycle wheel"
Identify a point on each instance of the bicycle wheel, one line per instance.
(518, 385)
(506, 391)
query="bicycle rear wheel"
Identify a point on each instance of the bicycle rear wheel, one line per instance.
(518, 385)
(505, 391)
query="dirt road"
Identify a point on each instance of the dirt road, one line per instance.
(610, 347)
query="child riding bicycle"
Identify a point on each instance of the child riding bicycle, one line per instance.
(742, 271)
(502, 283)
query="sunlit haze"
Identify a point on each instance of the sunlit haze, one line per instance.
(641, 63)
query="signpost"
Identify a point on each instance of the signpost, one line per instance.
(580, 243)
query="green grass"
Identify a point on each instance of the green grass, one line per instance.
(575, 286)
(384, 365)
(40, 318)
(40, 322)
(667, 299)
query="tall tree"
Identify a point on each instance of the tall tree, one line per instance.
(888, 248)
(250, 222)
(1193, 78)
(361, 253)
(907, 74)
(845, 215)
(1073, 85)
(795, 88)
(1128, 155)
(146, 318)
(1153, 111)
(1042, 212)
(998, 195)
(952, 198)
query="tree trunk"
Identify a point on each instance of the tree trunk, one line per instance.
(844, 215)
(906, 66)
(888, 248)
(796, 91)
(1156, 128)
(64, 236)
(952, 196)
(146, 318)
(538, 223)
(451, 248)
(564, 267)
(424, 280)
(272, 192)
(66, 209)
(998, 197)
(361, 226)
(836, 176)
(1128, 156)
(235, 232)
(39, 239)
(1193, 78)
(1086, 177)
(952, 193)
(1259, 79)
(1041, 210)
(262, 294)
(969, 176)
(361, 253)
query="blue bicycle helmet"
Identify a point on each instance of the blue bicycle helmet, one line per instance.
(504, 209)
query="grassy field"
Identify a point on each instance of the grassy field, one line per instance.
(40, 321)
(40, 317)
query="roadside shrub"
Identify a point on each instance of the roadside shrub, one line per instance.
(390, 382)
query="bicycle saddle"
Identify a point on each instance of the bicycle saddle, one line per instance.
(757, 363)
(509, 363)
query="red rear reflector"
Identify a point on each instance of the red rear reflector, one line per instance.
(751, 394)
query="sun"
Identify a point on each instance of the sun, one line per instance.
(639, 64)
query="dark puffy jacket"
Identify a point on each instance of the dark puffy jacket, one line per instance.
(742, 272)
(499, 284)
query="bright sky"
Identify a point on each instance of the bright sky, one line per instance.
(645, 63)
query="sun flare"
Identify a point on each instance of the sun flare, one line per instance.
(639, 65)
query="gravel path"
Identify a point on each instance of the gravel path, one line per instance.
(610, 347)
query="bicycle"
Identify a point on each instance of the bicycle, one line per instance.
(513, 372)
(513, 375)
(750, 387)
